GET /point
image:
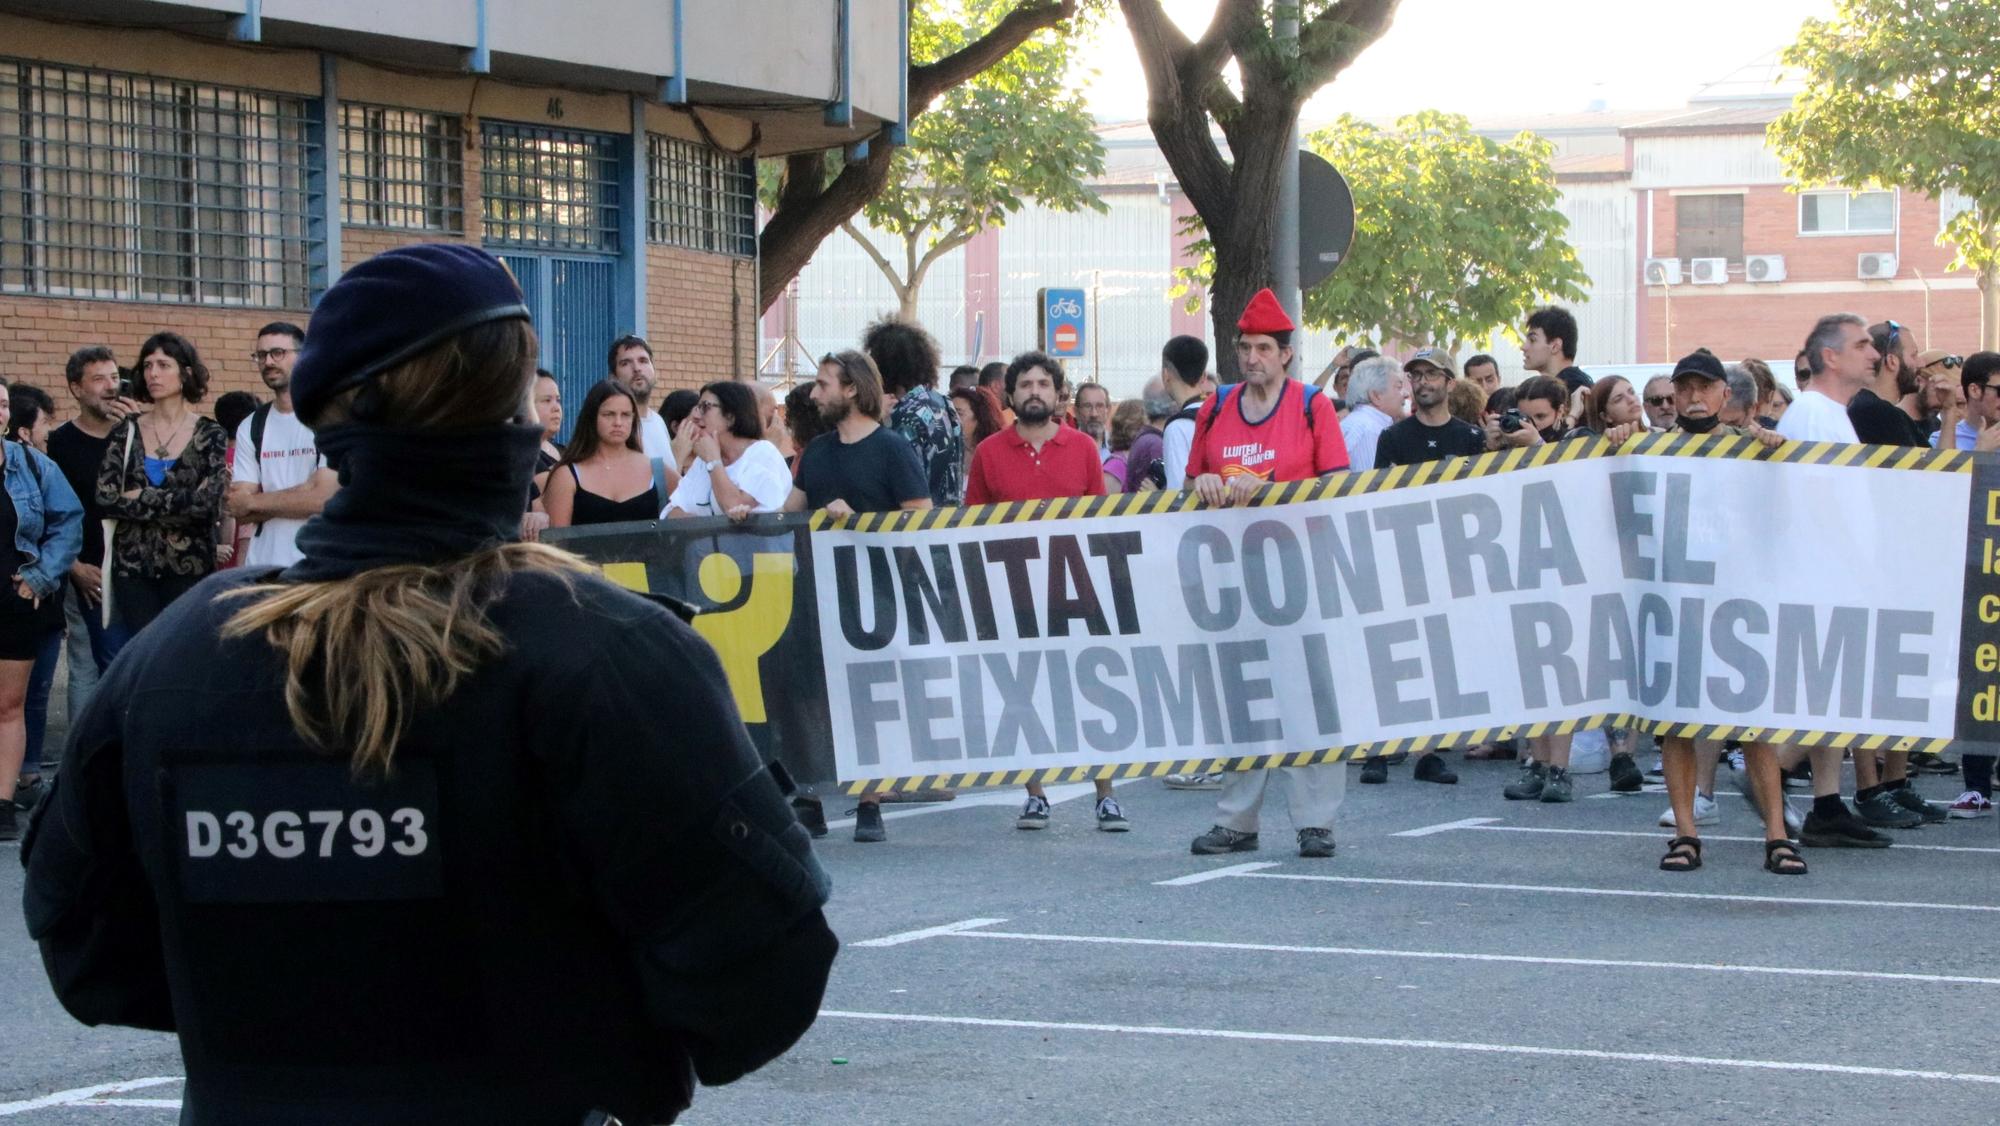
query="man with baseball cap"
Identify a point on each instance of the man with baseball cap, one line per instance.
(1266, 430)
(1429, 433)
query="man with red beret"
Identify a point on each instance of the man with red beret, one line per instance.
(1267, 429)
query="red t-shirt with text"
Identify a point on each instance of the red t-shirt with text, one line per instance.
(1281, 447)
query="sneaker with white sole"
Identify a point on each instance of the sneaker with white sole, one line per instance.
(1705, 812)
(1111, 818)
(1034, 814)
(1971, 803)
(1193, 781)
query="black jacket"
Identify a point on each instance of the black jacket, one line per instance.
(578, 888)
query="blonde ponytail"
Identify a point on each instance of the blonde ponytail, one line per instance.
(365, 654)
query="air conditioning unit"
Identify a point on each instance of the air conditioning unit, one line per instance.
(1709, 271)
(1764, 267)
(1876, 266)
(1663, 271)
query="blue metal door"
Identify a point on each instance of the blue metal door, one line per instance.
(574, 307)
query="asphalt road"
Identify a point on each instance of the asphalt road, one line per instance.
(1462, 959)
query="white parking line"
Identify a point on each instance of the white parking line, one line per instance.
(972, 928)
(84, 1094)
(1446, 827)
(1407, 1045)
(1472, 823)
(1627, 892)
(927, 932)
(1216, 874)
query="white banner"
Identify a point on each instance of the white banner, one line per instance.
(1686, 589)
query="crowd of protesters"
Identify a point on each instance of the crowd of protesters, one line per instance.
(124, 507)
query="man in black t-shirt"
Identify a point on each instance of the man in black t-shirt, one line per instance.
(1883, 796)
(1876, 413)
(1549, 347)
(77, 447)
(1429, 433)
(858, 466)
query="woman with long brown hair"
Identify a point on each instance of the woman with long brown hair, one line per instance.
(399, 834)
(604, 476)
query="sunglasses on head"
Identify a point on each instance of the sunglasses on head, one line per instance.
(1889, 329)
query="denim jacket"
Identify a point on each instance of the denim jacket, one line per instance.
(49, 518)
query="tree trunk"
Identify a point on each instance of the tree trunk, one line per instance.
(809, 208)
(1242, 233)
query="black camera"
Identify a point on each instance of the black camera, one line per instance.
(1511, 421)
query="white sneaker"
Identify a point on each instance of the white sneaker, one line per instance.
(1193, 781)
(1705, 812)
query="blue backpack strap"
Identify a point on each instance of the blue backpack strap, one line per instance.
(659, 479)
(1311, 393)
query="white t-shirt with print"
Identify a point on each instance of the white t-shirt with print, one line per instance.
(289, 459)
(761, 472)
(1813, 417)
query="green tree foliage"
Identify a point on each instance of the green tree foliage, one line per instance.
(1015, 132)
(1906, 94)
(810, 194)
(1455, 235)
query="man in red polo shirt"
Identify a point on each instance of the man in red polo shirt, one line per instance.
(1038, 458)
(1267, 429)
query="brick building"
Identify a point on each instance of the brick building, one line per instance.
(207, 166)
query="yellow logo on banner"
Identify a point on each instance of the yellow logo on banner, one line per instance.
(743, 635)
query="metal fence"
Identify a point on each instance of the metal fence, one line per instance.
(401, 168)
(552, 189)
(133, 188)
(700, 198)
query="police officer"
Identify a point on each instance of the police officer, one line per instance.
(400, 834)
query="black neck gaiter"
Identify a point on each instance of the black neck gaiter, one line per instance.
(416, 497)
(1698, 425)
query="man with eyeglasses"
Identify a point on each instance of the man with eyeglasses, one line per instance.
(1979, 380)
(1938, 393)
(278, 480)
(1659, 403)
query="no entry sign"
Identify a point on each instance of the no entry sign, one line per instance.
(1062, 322)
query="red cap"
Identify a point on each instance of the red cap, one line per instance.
(1264, 315)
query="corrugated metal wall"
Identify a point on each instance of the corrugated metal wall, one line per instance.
(843, 290)
(1126, 254)
(1726, 160)
(1601, 218)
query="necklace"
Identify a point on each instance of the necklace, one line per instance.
(160, 450)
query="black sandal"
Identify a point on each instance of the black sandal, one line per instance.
(1779, 854)
(1683, 855)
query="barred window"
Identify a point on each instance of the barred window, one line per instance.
(401, 168)
(700, 198)
(549, 188)
(134, 188)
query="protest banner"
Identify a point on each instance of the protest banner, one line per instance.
(1709, 587)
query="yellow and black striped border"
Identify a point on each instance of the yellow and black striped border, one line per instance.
(1049, 776)
(1410, 476)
